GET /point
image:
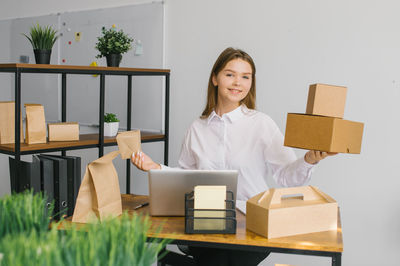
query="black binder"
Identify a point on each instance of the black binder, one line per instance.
(29, 177)
(73, 179)
(60, 183)
(46, 178)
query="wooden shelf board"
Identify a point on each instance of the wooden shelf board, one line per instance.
(84, 140)
(72, 67)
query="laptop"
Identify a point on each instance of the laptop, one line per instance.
(168, 187)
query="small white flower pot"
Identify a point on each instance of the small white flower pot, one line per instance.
(111, 129)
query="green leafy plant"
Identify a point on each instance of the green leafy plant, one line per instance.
(110, 118)
(113, 42)
(42, 38)
(24, 212)
(115, 241)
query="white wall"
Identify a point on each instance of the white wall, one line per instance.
(294, 44)
(25, 8)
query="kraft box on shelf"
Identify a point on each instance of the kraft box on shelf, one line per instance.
(326, 100)
(291, 211)
(7, 123)
(67, 131)
(322, 133)
(35, 124)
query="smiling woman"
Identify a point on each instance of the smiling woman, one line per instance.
(232, 135)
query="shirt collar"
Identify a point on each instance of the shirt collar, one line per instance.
(232, 116)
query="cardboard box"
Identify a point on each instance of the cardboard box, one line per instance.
(322, 133)
(35, 124)
(326, 100)
(67, 131)
(7, 123)
(291, 211)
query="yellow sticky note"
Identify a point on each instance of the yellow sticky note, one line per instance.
(78, 36)
(94, 63)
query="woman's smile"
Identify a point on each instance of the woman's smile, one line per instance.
(235, 91)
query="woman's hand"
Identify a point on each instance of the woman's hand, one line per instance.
(143, 162)
(313, 157)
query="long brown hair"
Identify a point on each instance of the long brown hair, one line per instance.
(212, 93)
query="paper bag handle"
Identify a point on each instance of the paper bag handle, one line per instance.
(308, 193)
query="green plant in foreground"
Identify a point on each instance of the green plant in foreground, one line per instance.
(115, 241)
(42, 38)
(110, 117)
(24, 212)
(113, 42)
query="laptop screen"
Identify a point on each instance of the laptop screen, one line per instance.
(168, 187)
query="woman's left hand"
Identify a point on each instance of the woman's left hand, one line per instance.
(313, 157)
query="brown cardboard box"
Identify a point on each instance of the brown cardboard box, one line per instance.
(274, 214)
(7, 123)
(326, 100)
(322, 133)
(67, 131)
(35, 124)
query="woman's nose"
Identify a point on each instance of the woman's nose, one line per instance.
(236, 81)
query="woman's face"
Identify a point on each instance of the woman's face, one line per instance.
(234, 82)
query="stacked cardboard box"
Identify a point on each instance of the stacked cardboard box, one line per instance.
(322, 127)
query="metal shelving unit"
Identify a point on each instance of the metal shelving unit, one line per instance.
(86, 140)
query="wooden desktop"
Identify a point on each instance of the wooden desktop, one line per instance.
(326, 244)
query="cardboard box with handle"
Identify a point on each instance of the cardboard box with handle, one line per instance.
(291, 211)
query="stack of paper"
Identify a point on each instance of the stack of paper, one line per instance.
(209, 197)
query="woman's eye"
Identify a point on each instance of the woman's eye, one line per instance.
(246, 77)
(229, 75)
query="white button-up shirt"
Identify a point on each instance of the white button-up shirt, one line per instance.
(245, 140)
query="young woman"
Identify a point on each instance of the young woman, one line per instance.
(231, 134)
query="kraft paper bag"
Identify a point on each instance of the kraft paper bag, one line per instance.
(7, 123)
(99, 195)
(66, 131)
(128, 142)
(35, 124)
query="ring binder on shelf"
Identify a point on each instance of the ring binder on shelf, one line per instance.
(59, 174)
(29, 177)
(73, 180)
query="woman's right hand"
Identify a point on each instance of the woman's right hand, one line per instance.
(143, 162)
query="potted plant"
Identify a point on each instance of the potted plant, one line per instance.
(42, 40)
(111, 124)
(29, 238)
(112, 44)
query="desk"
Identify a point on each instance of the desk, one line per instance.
(326, 244)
